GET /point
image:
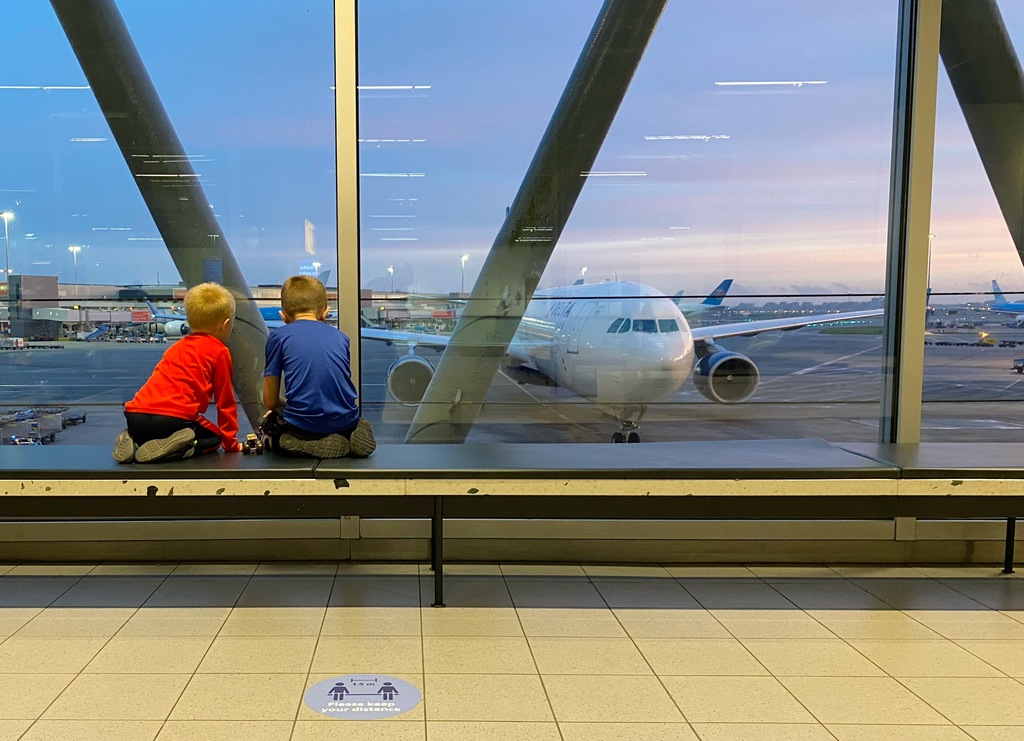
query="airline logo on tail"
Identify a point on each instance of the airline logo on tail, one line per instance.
(714, 299)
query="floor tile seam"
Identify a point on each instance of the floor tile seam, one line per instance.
(908, 689)
(968, 596)
(533, 657)
(43, 609)
(979, 658)
(206, 653)
(316, 647)
(661, 683)
(1013, 617)
(423, 648)
(116, 632)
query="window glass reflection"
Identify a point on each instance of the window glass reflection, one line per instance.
(248, 90)
(974, 335)
(748, 148)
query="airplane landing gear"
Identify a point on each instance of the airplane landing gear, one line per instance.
(628, 434)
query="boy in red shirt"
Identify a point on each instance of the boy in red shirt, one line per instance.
(165, 419)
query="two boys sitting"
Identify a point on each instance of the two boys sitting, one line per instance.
(320, 418)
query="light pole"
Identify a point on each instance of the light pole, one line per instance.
(391, 270)
(74, 250)
(583, 274)
(463, 258)
(316, 269)
(7, 216)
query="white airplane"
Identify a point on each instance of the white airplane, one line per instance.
(621, 345)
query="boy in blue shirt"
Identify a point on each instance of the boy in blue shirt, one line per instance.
(320, 418)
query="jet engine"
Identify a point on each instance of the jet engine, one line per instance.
(408, 378)
(726, 377)
(176, 329)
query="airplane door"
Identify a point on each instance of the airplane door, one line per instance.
(576, 326)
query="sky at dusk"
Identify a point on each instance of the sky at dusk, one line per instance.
(783, 188)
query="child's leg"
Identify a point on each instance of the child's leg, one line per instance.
(207, 439)
(161, 438)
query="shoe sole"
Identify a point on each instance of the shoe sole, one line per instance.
(362, 442)
(154, 450)
(330, 446)
(124, 448)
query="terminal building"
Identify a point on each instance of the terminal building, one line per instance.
(600, 506)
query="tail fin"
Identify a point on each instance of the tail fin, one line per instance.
(324, 277)
(716, 296)
(997, 292)
(678, 298)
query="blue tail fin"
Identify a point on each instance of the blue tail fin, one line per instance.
(716, 296)
(997, 292)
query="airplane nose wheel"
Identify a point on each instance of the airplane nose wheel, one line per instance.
(628, 434)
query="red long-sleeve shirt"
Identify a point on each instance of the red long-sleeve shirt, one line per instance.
(192, 370)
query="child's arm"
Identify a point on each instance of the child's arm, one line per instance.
(272, 392)
(227, 411)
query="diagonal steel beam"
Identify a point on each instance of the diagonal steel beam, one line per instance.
(989, 85)
(535, 220)
(164, 176)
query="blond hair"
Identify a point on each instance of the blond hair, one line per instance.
(303, 294)
(207, 305)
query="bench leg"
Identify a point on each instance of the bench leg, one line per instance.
(1011, 536)
(437, 550)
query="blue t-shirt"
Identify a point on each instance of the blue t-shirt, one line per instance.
(313, 360)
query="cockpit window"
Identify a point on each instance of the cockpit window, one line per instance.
(649, 326)
(625, 326)
(667, 325)
(615, 326)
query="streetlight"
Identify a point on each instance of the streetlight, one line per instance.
(74, 250)
(391, 269)
(7, 216)
(583, 274)
(316, 269)
(464, 258)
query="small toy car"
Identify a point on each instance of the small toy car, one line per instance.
(252, 444)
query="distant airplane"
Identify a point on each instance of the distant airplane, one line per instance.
(175, 324)
(1003, 306)
(621, 345)
(713, 301)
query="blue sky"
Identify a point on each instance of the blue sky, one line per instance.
(793, 200)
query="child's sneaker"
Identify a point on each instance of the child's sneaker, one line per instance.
(182, 440)
(328, 446)
(124, 447)
(362, 441)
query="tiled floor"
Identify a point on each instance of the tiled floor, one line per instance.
(587, 653)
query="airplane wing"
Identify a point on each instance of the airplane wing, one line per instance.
(749, 329)
(391, 337)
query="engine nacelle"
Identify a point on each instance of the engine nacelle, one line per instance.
(408, 378)
(726, 377)
(176, 329)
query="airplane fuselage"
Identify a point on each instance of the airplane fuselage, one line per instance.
(624, 345)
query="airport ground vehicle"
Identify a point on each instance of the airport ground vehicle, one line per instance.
(1018, 365)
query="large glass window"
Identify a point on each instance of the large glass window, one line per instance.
(248, 88)
(972, 382)
(753, 144)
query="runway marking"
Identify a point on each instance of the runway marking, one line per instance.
(834, 360)
(546, 405)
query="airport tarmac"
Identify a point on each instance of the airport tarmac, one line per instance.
(813, 384)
